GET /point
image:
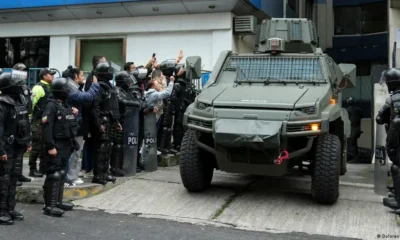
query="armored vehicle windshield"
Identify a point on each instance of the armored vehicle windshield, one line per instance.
(288, 69)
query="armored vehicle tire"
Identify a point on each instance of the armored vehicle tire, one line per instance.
(195, 169)
(326, 169)
(343, 162)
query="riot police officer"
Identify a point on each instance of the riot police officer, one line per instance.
(15, 140)
(389, 115)
(105, 117)
(355, 116)
(60, 128)
(27, 95)
(182, 96)
(168, 68)
(128, 96)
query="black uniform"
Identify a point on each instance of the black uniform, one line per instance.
(182, 96)
(168, 68)
(106, 116)
(389, 115)
(37, 138)
(355, 116)
(59, 130)
(15, 138)
(126, 98)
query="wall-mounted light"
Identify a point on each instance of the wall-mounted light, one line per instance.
(211, 6)
(99, 12)
(50, 15)
(155, 9)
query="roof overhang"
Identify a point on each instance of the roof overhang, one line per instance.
(395, 3)
(125, 9)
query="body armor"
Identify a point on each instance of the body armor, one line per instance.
(65, 126)
(18, 126)
(109, 106)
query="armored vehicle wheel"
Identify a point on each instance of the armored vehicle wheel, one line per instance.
(326, 169)
(343, 162)
(196, 169)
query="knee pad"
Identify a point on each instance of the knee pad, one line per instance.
(63, 173)
(54, 176)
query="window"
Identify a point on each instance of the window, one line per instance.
(277, 68)
(362, 19)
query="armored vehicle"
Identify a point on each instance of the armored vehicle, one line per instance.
(264, 113)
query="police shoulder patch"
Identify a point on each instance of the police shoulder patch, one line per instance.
(44, 119)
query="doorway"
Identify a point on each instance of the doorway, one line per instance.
(113, 49)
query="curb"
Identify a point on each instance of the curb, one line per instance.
(33, 192)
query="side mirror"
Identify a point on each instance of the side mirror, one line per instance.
(193, 67)
(349, 76)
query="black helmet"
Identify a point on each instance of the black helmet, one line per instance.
(105, 70)
(392, 79)
(140, 73)
(168, 67)
(124, 80)
(11, 79)
(63, 87)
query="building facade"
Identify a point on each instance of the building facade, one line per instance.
(130, 30)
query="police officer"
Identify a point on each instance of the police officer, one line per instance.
(168, 68)
(27, 95)
(128, 96)
(40, 94)
(59, 130)
(105, 117)
(389, 115)
(182, 96)
(355, 116)
(15, 140)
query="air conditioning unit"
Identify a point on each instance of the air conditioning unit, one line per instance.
(245, 25)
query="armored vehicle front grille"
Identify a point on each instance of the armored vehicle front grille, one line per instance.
(250, 156)
(200, 123)
(277, 68)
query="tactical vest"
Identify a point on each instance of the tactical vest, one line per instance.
(40, 105)
(28, 100)
(109, 106)
(395, 105)
(18, 127)
(65, 124)
(122, 94)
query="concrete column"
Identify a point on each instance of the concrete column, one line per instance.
(394, 25)
(325, 23)
(59, 52)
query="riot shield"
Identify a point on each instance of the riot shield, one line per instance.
(150, 142)
(380, 160)
(131, 134)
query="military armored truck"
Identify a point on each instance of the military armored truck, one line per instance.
(265, 112)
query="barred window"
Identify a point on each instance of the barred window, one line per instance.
(273, 68)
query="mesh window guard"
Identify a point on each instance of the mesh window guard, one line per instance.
(277, 68)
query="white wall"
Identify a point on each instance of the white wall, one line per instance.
(244, 45)
(204, 35)
(394, 24)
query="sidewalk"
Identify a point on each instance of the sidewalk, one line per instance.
(31, 192)
(254, 203)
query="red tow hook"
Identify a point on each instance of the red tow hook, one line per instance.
(282, 156)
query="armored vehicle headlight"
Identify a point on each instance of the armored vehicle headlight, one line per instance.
(201, 105)
(313, 127)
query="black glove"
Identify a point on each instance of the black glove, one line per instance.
(75, 145)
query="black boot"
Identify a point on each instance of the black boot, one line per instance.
(5, 218)
(60, 204)
(35, 173)
(51, 192)
(116, 157)
(22, 178)
(110, 178)
(12, 191)
(393, 203)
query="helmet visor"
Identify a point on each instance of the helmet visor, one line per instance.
(114, 67)
(18, 77)
(71, 86)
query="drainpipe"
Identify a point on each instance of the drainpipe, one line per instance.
(284, 7)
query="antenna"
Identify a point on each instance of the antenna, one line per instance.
(394, 55)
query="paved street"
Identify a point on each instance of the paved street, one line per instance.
(253, 203)
(90, 225)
